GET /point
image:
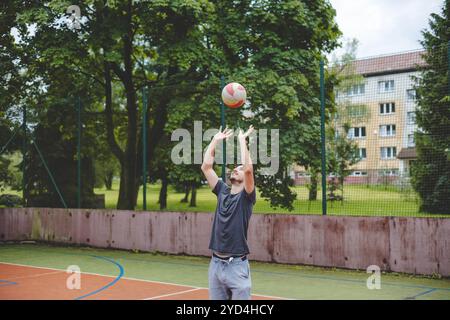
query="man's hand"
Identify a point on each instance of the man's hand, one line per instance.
(246, 134)
(223, 135)
(208, 160)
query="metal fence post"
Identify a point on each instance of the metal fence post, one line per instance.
(222, 121)
(144, 148)
(448, 66)
(24, 152)
(78, 102)
(322, 138)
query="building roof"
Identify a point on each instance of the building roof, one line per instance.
(407, 153)
(387, 64)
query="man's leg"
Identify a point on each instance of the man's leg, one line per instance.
(239, 279)
(217, 289)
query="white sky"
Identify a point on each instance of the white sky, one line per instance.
(384, 26)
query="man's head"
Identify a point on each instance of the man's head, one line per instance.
(237, 175)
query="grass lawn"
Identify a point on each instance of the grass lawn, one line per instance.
(360, 200)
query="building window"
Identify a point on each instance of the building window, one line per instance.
(302, 175)
(387, 130)
(387, 108)
(385, 86)
(411, 95)
(362, 153)
(411, 117)
(356, 110)
(411, 142)
(388, 152)
(388, 172)
(357, 132)
(357, 89)
(358, 173)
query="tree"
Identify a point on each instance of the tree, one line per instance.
(431, 171)
(117, 49)
(57, 126)
(106, 169)
(179, 50)
(342, 152)
(274, 47)
(11, 92)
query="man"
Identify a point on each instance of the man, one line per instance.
(229, 271)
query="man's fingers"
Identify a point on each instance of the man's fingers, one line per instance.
(226, 133)
(250, 130)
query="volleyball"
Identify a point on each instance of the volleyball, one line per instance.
(234, 95)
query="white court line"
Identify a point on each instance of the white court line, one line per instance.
(36, 275)
(172, 294)
(136, 279)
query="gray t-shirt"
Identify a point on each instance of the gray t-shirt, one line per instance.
(233, 211)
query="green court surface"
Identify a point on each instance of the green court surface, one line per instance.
(285, 281)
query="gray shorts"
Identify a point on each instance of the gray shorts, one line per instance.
(229, 279)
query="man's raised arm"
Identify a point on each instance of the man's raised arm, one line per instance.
(208, 160)
(249, 181)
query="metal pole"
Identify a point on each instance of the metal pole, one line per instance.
(222, 122)
(144, 147)
(448, 65)
(322, 138)
(9, 141)
(79, 153)
(24, 152)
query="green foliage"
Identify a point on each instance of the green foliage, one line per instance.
(431, 170)
(179, 49)
(343, 69)
(60, 156)
(15, 175)
(4, 173)
(276, 188)
(431, 175)
(105, 172)
(342, 153)
(10, 200)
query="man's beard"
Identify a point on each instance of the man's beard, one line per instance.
(235, 181)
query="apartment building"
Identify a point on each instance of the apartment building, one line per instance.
(385, 133)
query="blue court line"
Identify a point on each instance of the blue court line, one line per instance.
(421, 294)
(4, 283)
(121, 272)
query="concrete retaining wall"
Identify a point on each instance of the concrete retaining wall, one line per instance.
(411, 245)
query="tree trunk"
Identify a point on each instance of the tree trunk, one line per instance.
(187, 190)
(128, 158)
(115, 148)
(128, 189)
(108, 180)
(155, 133)
(193, 202)
(341, 181)
(313, 188)
(163, 193)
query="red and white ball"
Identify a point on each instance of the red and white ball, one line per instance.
(234, 95)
